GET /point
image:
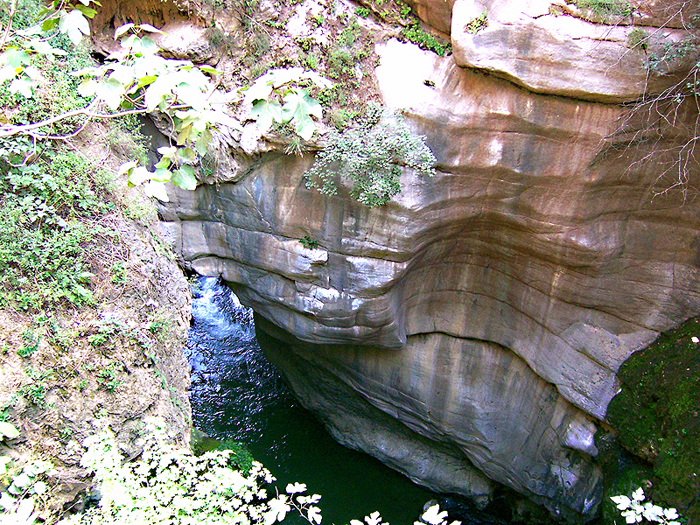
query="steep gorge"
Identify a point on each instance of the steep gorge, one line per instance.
(471, 330)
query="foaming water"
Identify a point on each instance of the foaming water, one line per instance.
(236, 394)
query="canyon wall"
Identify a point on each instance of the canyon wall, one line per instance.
(470, 331)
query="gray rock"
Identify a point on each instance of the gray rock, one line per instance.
(475, 324)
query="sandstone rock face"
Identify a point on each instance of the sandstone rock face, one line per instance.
(470, 330)
(547, 50)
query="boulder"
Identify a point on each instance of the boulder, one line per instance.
(542, 47)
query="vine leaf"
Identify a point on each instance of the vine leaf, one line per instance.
(74, 25)
(156, 189)
(265, 112)
(184, 178)
(23, 86)
(122, 29)
(298, 109)
(112, 92)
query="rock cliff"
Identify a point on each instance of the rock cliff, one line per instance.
(471, 330)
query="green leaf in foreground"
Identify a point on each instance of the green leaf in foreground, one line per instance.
(265, 113)
(298, 109)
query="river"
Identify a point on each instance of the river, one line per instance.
(237, 395)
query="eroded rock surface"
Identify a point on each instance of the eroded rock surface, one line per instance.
(481, 316)
(541, 46)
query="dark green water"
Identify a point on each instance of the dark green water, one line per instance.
(236, 394)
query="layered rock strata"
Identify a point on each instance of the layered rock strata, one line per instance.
(470, 330)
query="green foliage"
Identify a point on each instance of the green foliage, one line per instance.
(309, 60)
(8, 431)
(350, 34)
(654, 414)
(296, 107)
(668, 53)
(170, 485)
(635, 510)
(240, 457)
(36, 36)
(35, 391)
(362, 12)
(136, 79)
(31, 344)
(26, 485)
(317, 20)
(42, 240)
(22, 484)
(119, 273)
(107, 377)
(167, 483)
(343, 118)
(308, 242)
(346, 51)
(370, 157)
(477, 24)
(57, 93)
(107, 326)
(415, 33)
(605, 9)
(219, 40)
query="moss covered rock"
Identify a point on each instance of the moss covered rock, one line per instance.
(657, 415)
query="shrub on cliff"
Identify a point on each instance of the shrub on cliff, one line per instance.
(370, 156)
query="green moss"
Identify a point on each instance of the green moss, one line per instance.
(656, 415)
(415, 33)
(606, 10)
(623, 474)
(638, 38)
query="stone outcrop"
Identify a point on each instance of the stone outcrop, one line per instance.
(541, 46)
(471, 330)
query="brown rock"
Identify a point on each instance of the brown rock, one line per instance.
(483, 313)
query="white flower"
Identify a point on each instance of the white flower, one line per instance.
(695, 340)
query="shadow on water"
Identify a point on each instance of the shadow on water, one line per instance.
(237, 395)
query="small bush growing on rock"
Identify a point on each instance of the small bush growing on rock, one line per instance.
(370, 156)
(415, 33)
(476, 24)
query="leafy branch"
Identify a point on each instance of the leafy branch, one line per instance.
(18, 46)
(298, 107)
(137, 80)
